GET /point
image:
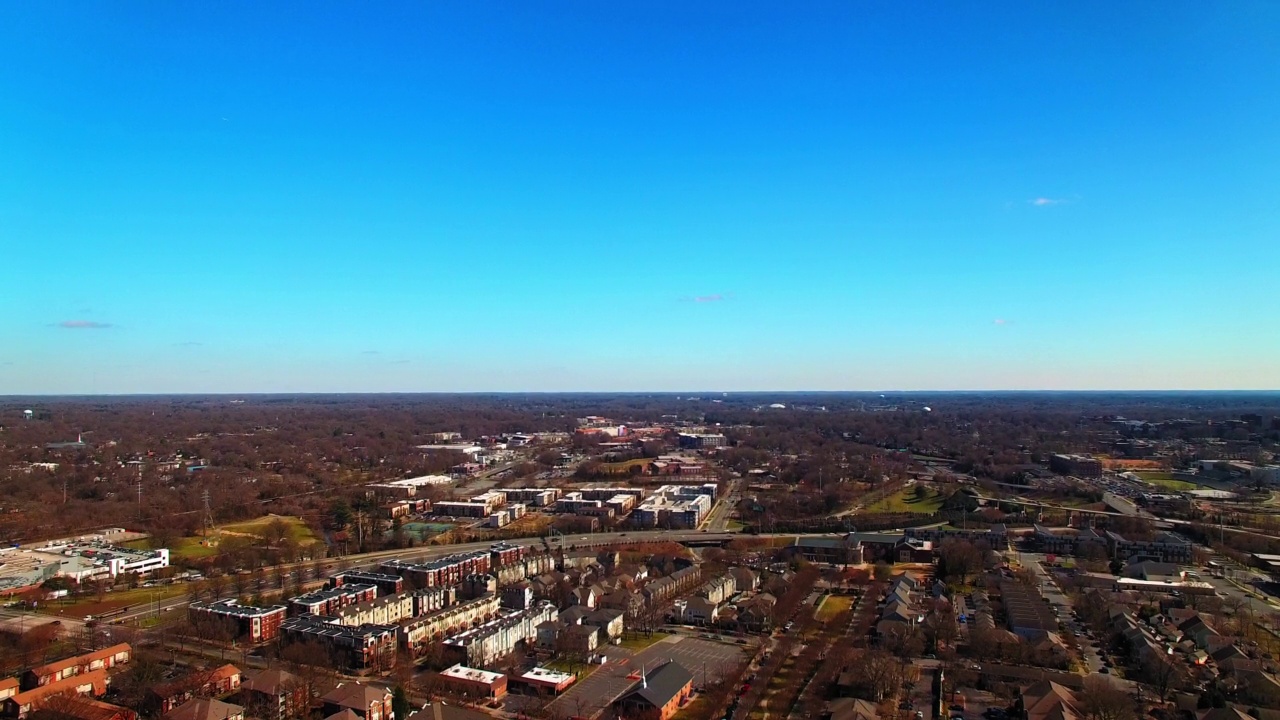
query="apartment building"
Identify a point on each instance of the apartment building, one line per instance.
(416, 635)
(257, 624)
(487, 643)
(358, 647)
(449, 570)
(386, 583)
(54, 672)
(330, 600)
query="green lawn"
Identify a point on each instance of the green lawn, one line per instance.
(298, 529)
(833, 606)
(193, 548)
(1166, 481)
(907, 502)
(640, 642)
(564, 666)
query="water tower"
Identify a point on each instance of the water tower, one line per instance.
(27, 414)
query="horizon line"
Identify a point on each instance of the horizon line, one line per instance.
(304, 393)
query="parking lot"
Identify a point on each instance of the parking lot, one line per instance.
(707, 660)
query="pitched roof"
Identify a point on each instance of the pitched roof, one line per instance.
(344, 714)
(205, 709)
(356, 695)
(53, 667)
(852, 709)
(1047, 700)
(270, 682)
(660, 684)
(98, 678)
(83, 708)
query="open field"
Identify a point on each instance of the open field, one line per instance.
(907, 502)
(833, 606)
(296, 528)
(1165, 481)
(640, 642)
(194, 548)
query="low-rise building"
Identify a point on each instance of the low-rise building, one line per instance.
(660, 693)
(481, 646)
(257, 624)
(358, 647)
(369, 702)
(473, 683)
(54, 672)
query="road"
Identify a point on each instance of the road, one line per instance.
(1062, 605)
(718, 519)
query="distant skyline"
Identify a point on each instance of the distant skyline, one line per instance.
(324, 197)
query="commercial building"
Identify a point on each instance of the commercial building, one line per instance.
(473, 683)
(257, 624)
(541, 681)
(410, 487)
(702, 441)
(1082, 466)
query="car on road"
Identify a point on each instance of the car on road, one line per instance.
(1105, 670)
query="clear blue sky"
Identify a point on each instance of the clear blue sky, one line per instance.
(416, 196)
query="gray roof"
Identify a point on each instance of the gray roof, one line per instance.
(660, 684)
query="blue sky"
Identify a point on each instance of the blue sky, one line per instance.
(240, 197)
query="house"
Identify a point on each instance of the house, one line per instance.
(744, 579)
(1258, 688)
(847, 708)
(206, 709)
(273, 695)
(1047, 700)
(368, 701)
(701, 611)
(579, 640)
(610, 622)
(84, 708)
(166, 697)
(659, 693)
(103, 659)
(20, 704)
(8, 688)
(584, 596)
(756, 614)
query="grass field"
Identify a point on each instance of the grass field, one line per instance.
(640, 642)
(833, 606)
(193, 548)
(907, 502)
(1165, 481)
(110, 601)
